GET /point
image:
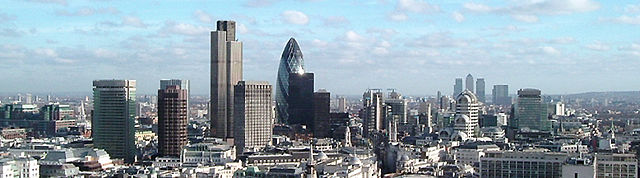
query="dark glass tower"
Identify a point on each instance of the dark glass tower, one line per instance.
(172, 120)
(300, 100)
(291, 62)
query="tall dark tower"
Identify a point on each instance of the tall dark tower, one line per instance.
(172, 120)
(226, 71)
(291, 63)
(300, 99)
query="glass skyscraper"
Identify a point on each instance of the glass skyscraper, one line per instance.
(291, 62)
(457, 88)
(530, 112)
(114, 110)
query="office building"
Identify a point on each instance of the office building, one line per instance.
(226, 71)
(469, 83)
(372, 112)
(527, 163)
(457, 87)
(300, 100)
(342, 105)
(398, 109)
(321, 107)
(254, 126)
(480, 90)
(172, 120)
(114, 104)
(616, 165)
(466, 117)
(291, 62)
(500, 95)
(184, 84)
(530, 113)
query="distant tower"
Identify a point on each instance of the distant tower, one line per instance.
(226, 71)
(113, 122)
(372, 112)
(467, 108)
(29, 98)
(469, 83)
(457, 88)
(500, 95)
(530, 112)
(342, 104)
(480, 90)
(172, 119)
(252, 112)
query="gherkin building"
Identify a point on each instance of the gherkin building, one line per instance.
(291, 62)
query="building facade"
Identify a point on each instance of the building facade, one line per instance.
(530, 112)
(500, 95)
(321, 109)
(372, 113)
(114, 105)
(469, 83)
(226, 71)
(172, 120)
(466, 118)
(480, 88)
(300, 100)
(457, 87)
(253, 115)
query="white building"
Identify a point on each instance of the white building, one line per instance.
(471, 153)
(19, 167)
(208, 154)
(466, 119)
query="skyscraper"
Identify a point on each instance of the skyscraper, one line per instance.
(480, 90)
(114, 105)
(457, 88)
(500, 95)
(172, 119)
(342, 104)
(291, 62)
(252, 112)
(530, 112)
(469, 83)
(226, 71)
(398, 109)
(321, 109)
(184, 85)
(466, 119)
(372, 112)
(300, 100)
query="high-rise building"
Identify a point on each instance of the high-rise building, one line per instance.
(372, 112)
(226, 71)
(530, 112)
(300, 100)
(254, 122)
(172, 119)
(321, 109)
(114, 105)
(184, 84)
(500, 95)
(480, 90)
(466, 118)
(469, 83)
(342, 104)
(398, 109)
(457, 88)
(291, 62)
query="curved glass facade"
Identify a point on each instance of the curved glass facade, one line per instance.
(290, 62)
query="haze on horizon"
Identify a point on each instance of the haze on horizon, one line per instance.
(418, 47)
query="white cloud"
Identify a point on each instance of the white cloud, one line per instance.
(525, 18)
(633, 49)
(550, 50)
(46, 52)
(133, 21)
(437, 40)
(527, 11)
(259, 3)
(203, 16)
(598, 46)
(172, 27)
(336, 21)
(398, 16)
(457, 16)
(632, 8)
(60, 2)
(88, 11)
(295, 17)
(242, 29)
(624, 19)
(477, 7)
(417, 6)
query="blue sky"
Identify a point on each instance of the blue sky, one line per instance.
(418, 47)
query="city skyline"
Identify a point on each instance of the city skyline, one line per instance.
(436, 41)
